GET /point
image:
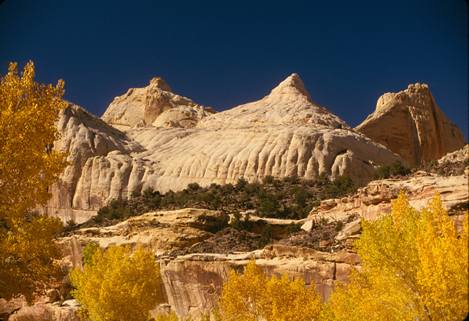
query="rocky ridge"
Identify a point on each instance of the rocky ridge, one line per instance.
(293, 137)
(288, 103)
(410, 124)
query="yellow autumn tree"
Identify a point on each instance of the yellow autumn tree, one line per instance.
(118, 285)
(414, 267)
(28, 166)
(253, 296)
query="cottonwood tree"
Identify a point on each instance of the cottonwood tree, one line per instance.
(253, 296)
(117, 285)
(414, 267)
(28, 166)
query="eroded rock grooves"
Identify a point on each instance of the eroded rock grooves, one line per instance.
(281, 135)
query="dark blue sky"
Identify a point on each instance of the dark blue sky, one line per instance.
(225, 53)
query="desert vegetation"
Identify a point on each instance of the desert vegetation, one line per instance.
(287, 198)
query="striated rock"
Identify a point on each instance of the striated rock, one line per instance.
(376, 197)
(84, 136)
(410, 124)
(288, 103)
(111, 164)
(154, 105)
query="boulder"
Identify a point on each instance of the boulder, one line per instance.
(410, 124)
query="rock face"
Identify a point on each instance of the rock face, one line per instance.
(410, 124)
(291, 136)
(85, 136)
(192, 283)
(154, 105)
(376, 197)
(160, 232)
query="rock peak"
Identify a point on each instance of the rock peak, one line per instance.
(291, 85)
(159, 83)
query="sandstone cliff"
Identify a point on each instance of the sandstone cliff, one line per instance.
(154, 105)
(410, 124)
(192, 283)
(291, 136)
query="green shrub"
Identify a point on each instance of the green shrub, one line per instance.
(269, 205)
(135, 194)
(193, 187)
(382, 172)
(269, 179)
(293, 228)
(323, 221)
(342, 185)
(386, 170)
(398, 169)
(266, 236)
(338, 226)
(241, 224)
(68, 227)
(323, 178)
(241, 183)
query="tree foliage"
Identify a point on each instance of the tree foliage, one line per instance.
(118, 285)
(27, 253)
(253, 296)
(415, 267)
(28, 166)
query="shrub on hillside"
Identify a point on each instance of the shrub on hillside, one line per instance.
(386, 170)
(293, 228)
(341, 186)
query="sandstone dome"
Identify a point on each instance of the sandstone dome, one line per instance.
(288, 103)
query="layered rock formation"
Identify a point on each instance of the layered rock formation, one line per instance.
(154, 105)
(410, 124)
(281, 135)
(376, 197)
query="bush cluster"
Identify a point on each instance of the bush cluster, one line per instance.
(387, 170)
(290, 197)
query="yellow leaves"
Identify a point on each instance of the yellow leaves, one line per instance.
(28, 112)
(27, 252)
(118, 285)
(253, 296)
(415, 266)
(27, 115)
